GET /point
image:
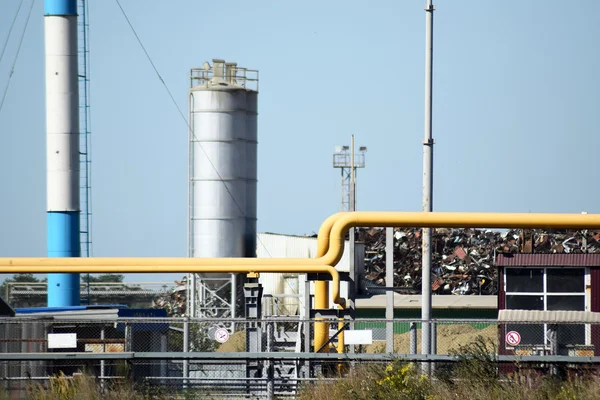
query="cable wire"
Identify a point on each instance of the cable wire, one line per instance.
(185, 119)
(12, 69)
(10, 31)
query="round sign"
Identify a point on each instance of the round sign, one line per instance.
(221, 335)
(513, 338)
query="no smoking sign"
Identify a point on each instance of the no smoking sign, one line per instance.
(221, 335)
(513, 338)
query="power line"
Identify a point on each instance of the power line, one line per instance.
(12, 69)
(10, 31)
(184, 118)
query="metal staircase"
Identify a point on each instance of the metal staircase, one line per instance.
(283, 336)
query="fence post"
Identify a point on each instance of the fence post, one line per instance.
(102, 362)
(186, 349)
(307, 328)
(413, 338)
(389, 282)
(268, 369)
(433, 337)
(433, 344)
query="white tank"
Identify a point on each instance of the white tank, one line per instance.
(223, 165)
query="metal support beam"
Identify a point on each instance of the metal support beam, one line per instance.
(427, 183)
(389, 281)
(253, 299)
(186, 349)
(221, 358)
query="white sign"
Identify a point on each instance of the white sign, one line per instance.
(358, 337)
(222, 335)
(62, 340)
(513, 338)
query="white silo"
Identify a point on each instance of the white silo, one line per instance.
(222, 178)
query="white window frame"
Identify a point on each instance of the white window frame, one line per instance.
(585, 292)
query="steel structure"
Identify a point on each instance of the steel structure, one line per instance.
(62, 145)
(347, 160)
(222, 179)
(85, 186)
(427, 181)
(85, 159)
(330, 247)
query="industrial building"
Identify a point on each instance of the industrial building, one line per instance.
(551, 287)
(286, 294)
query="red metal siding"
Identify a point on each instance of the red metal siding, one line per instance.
(595, 283)
(595, 307)
(548, 260)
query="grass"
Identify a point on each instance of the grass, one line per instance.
(475, 377)
(82, 387)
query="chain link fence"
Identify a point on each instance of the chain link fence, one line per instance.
(269, 357)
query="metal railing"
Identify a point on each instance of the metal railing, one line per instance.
(177, 355)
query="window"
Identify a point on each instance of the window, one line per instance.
(550, 289)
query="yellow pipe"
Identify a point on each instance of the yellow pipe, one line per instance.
(142, 267)
(321, 332)
(340, 345)
(330, 247)
(449, 220)
(337, 225)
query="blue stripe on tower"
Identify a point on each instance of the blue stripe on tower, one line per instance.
(63, 241)
(60, 7)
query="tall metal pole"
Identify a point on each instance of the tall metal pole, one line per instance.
(352, 207)
(389, 282)
(427, 183)
(352, 284)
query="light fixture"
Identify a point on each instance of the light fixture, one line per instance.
(363, 148)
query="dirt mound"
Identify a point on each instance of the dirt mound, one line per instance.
(449, 337)
(236, 343)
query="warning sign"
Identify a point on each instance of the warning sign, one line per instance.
(513, 338)
(221, 335)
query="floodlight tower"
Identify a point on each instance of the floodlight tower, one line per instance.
(345, 158)
(348, 161)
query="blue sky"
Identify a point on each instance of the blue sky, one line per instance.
(515, 117)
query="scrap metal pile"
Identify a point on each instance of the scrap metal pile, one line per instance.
(174, 300)
(462, 259)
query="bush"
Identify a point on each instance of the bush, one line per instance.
(473, 376)
(398, 380)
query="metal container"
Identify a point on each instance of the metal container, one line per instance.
(222, 168)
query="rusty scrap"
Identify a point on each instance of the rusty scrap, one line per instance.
(462, 259)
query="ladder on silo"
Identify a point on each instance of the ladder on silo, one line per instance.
(85, 216)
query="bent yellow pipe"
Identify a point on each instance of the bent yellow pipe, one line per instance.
(330, 245)
(449, 220)
(336, 227)
(321, 330)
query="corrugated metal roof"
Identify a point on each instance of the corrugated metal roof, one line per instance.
(81, 314)
(548, 260)
(548, 316)
(444, 301)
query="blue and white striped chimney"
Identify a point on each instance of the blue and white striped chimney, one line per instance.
(62, 129)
